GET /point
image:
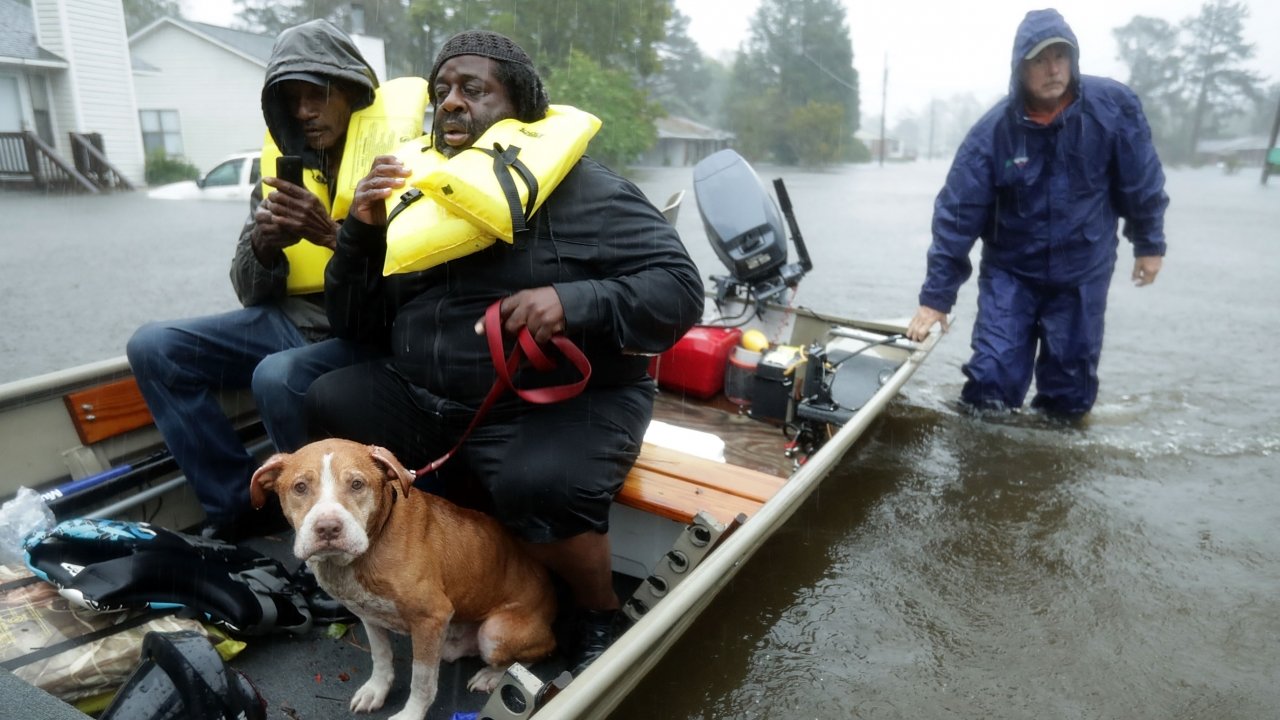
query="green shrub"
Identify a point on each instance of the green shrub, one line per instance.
(859, 152)
(163, 169)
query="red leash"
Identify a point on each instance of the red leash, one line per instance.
(525, 348)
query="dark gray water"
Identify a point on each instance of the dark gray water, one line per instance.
(951, 567)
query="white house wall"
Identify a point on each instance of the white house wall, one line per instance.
(50, 16)
(217, 93)
(95, 95)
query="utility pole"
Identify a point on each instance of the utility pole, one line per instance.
(884, 102)
(933, 117)
(1272, 154)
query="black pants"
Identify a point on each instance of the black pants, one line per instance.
(547, 472)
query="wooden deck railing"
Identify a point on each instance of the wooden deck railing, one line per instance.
(24, 156)
(91, 161)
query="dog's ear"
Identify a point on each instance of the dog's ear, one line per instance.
(393, 468)
(264, 480)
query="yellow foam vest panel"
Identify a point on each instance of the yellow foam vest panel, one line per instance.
(394, 117)
(422, 233)
(501, 180)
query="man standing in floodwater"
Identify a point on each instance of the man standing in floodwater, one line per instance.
(1043, 178)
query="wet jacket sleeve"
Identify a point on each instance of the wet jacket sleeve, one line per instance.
(1138, 182)
(961, 212)
(255, 283)
(357, 299)
(648, 291)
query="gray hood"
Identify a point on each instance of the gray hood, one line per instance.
(319, 48)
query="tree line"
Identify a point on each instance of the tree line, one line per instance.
(790, 92)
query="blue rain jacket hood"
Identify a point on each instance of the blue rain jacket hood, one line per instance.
(1036, 27)
(1047, 199)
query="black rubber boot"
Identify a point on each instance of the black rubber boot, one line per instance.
(595, 631)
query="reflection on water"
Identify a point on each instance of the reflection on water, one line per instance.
(951, 566)
(1011, 567)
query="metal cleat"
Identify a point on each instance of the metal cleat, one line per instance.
(519, 694)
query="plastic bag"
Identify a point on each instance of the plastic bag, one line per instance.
(25, 514)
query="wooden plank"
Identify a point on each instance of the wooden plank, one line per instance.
(107, 410)
(678, 500)
(744, 482)
(749, 443)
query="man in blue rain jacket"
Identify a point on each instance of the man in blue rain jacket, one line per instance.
(1043, 178)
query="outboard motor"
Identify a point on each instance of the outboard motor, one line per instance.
(745, 228)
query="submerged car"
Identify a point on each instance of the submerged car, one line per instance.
(231, 179)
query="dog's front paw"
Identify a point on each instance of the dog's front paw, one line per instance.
(486, 681)
(370, 696)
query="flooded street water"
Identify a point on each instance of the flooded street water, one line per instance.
(950, 567)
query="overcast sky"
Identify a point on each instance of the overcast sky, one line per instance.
(937, 48)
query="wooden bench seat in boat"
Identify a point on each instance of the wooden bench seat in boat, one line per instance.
(676, 485)
(668, 483)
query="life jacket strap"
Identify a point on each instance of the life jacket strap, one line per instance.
(504, 158)
(410, 197)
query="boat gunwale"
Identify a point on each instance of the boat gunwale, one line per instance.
(610, 679)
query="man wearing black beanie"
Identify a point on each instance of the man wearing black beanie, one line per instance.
(598, 264)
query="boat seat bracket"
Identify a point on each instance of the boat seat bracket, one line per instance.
(691, 547)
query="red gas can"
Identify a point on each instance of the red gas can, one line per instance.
(696, 363)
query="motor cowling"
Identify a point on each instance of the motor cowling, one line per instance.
(742, 221)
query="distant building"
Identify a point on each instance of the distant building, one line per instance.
(64, 68)
(1234, 152)
(682, 141)
(894, 149)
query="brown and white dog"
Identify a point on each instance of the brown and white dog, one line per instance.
(404, 560)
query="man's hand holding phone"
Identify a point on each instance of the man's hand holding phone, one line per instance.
(289, 169)
(290, 214)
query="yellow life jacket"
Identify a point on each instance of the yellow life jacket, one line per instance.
(395, 116)
(422, 233)
(500, 181)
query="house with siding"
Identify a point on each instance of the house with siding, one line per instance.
(198, 89)
(65, 68)
(682, 141)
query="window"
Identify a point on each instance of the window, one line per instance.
(40, 107)
(161, 132)
(228, 173)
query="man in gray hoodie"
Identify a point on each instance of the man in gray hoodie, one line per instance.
(278, 342)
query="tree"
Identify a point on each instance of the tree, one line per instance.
(1190, 76)
(1150, 47)
(814, 133)
(686, 84)
(400, 24)
(1214, 53)
(798, 52)
(625, 111)
(615, 34)
(141, 13)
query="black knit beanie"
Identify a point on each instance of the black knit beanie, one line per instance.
(483, 43)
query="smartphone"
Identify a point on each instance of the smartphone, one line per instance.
(289, 169)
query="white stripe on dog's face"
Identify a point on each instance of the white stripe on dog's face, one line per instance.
(330, 527)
